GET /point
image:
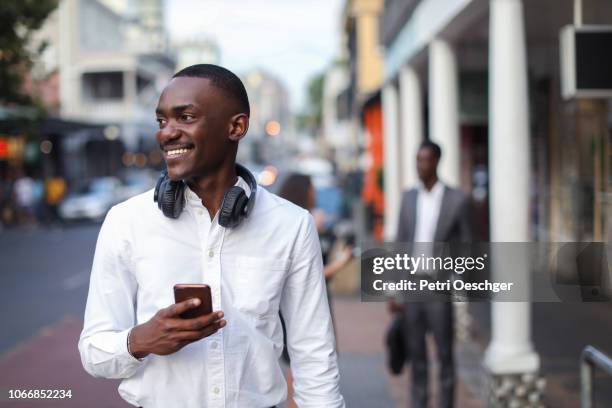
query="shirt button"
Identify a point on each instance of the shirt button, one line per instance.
(216, 390)
(211, 253)
(214, 345)
(200, 211)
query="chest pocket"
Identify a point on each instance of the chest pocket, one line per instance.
(256, 283)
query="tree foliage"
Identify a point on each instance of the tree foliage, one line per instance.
(315, 97)
(312, 116)
(19, 19)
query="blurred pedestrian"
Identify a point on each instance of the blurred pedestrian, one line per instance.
(26, 199)
(38, 188)
(7, 200)
(431, 212)
(55, 190)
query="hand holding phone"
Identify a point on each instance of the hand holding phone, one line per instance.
(168, 331)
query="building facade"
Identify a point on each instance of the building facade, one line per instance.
(111, 67)
(197, 50)
(270, 126)
(110, 60)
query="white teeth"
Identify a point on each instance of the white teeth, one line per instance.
(176, 151)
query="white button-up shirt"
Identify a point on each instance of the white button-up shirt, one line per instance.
(428, 211)
(270, 262)
(427, 215)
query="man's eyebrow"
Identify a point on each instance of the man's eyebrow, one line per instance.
(176, 109)
(180, 108)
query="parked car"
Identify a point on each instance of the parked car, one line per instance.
(92, 200)
(137, 182)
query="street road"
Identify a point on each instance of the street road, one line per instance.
(44, 277)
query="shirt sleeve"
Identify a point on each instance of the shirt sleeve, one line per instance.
(310, 335)
(110, 309)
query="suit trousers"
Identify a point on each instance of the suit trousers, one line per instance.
(434, 317)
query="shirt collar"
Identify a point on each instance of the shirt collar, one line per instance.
(436, 189)
(192, 199)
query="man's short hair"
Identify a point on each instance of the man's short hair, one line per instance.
(221, 78)
(435, 148)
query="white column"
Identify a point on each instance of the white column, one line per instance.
(130, 96)
(511, 349)
(391, 160)
(69, 75)
(412, 124)
(444, 108)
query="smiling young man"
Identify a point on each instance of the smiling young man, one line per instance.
(267, 262)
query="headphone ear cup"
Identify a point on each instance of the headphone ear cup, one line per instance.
(169, 196)
(241, 204)
(173, 200)
(232, 207)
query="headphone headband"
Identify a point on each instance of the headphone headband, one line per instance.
(236, 205)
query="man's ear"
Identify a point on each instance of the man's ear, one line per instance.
(239, 124)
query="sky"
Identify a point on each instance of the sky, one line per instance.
(292, 39)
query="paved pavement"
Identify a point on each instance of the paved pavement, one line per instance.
(560, 331)
(365, 381)
(44, 278)
(50, 361)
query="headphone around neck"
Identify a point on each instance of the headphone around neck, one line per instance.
(236, 205)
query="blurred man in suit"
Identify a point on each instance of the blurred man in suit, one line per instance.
(431, 212)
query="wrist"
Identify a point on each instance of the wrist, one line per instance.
(133, 345)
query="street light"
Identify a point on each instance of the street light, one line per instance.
(127, 159)
(273, 128)
(267, 176)
(111, 132)
(140, 159)
(46, 146)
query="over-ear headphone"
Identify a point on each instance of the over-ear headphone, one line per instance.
(236, 205)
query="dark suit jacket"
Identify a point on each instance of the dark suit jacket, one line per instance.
(453, 221)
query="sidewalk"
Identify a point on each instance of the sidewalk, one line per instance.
(50, 360)
(360, 331)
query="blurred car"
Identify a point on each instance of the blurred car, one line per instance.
(137, 182)
(93, 200)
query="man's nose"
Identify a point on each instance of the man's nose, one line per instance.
(168, 132)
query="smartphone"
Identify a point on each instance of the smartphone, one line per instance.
(184, 291)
